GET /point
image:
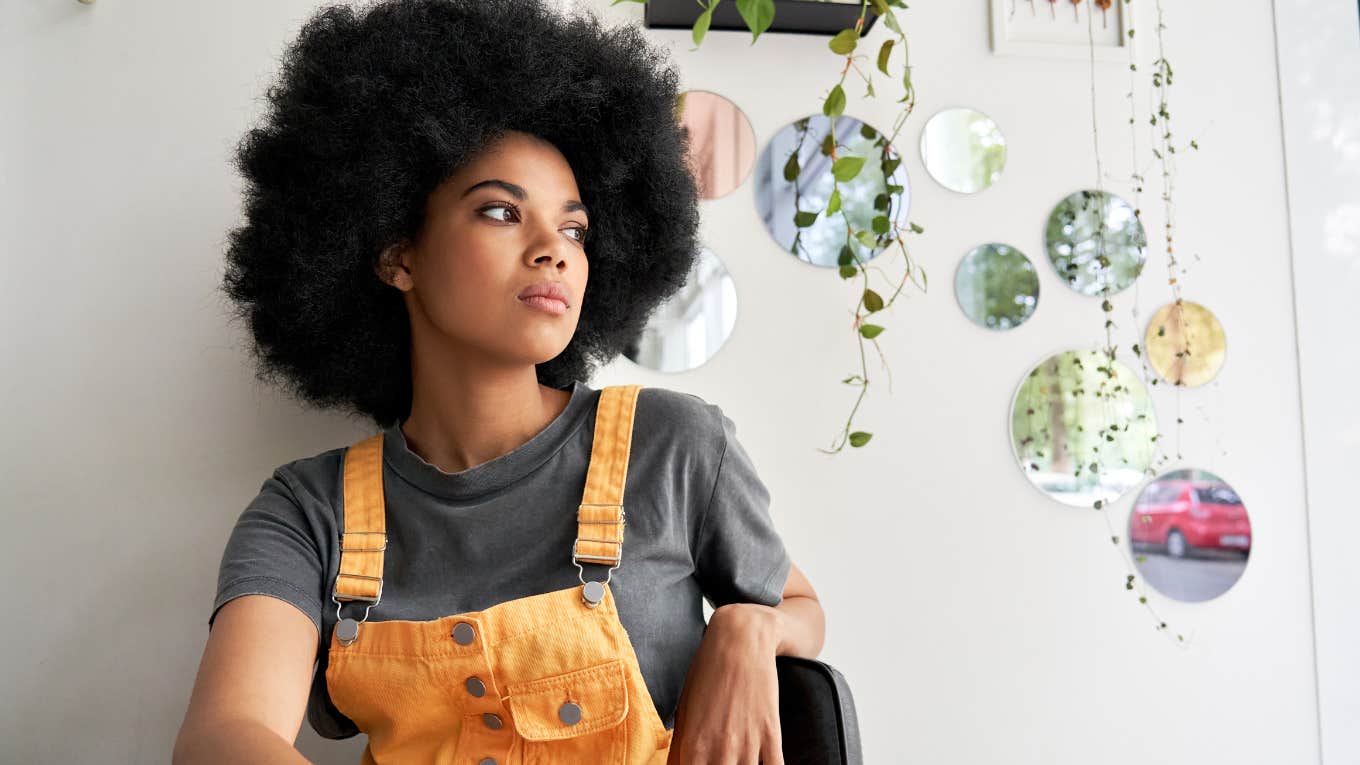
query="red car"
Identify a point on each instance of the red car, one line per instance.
(1183, 516)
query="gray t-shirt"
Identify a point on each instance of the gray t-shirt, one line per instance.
(698, 526)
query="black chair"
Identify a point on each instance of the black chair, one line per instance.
(816, 714)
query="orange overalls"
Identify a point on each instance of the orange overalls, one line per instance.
(550, 678)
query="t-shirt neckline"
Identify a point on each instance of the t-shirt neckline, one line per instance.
(497, 473)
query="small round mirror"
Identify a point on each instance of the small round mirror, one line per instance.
(722, 145)
(688, 329)
(1083, 428)
(997, 286)
(1185, 343)
(1190, 535)
(810, 202)
(963, 149)
(1096, 242)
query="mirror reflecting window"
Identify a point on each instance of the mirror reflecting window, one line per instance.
(1190, 535)
(722, 145)
(794, 188)
(689, 328)
(1096, 242)
(997, 286)
(1185, 343)
(963, 149)
(1083, 428)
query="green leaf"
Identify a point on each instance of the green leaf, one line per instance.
(884, 52)
(880, 224)
(758, 14)
(860, 438)
(701, 24)
(846, 168)
(804, 218)
(916, 229)
(835, 102)
(791, 168)
(848, 272)
(844, 42)
(873, 301)
(828, 144)
(870, 330)
(833, 206)
(867, 239)
(880, 7)
(891, 20)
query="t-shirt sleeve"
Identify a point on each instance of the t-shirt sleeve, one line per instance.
(740, 557)
(272, 550)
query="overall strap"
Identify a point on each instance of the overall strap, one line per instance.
(365, 536)
(600, 516)
(599, 528)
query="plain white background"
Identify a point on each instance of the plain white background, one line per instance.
(976, 620)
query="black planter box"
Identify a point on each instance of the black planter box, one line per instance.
(814, 17)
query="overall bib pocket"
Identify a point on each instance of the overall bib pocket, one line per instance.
(573, 717)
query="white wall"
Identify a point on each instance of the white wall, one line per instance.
(1319, 54)
(977, 621)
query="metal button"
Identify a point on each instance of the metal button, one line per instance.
(592, 593)
(476, 687)
(487, 761)
(492, 721)
(570, 713)
(463, 634)
(347, 631)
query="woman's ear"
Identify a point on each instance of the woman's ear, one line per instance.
(391, 267)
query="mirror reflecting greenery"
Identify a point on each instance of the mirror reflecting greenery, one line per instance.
(1190, 535)
(689, 328)
(963, 149)
(722, 145)
(794, 185)
(997, 286)
(1096, 242)
(1083, 428)
(1185, 343)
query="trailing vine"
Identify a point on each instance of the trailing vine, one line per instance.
(884, 230)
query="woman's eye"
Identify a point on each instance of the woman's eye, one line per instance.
(509, 209)
(503, 208)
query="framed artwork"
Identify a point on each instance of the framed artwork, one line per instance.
(1059, 29)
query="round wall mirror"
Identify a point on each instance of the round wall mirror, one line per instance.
(1083, 428)
(1185, 343)
(688, 329)
(795, 182)
(1096, 242)
(963, 149)
(722, 145)
(1190, 535)
(997, 286)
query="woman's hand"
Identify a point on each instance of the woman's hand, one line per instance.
(728, 713)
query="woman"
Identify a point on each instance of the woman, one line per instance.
(456, 210)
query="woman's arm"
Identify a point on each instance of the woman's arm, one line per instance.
(729, 707)
(796, 627)
(250, 696)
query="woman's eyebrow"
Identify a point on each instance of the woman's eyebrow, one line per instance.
(519, 193)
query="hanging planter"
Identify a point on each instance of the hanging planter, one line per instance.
(818, 17)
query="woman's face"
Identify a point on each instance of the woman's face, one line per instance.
(508, 220)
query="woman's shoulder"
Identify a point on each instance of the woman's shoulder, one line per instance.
(680, 415)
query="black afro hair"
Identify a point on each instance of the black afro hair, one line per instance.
(375, 107)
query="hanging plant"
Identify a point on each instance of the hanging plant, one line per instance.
(1162, 151)
(883, 230)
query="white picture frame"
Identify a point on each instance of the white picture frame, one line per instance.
(1038, 28)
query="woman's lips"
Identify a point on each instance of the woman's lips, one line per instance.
(544, 303)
